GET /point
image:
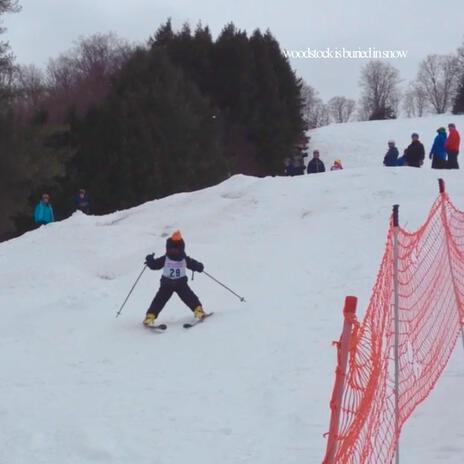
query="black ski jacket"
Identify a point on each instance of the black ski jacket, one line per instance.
(315, 166)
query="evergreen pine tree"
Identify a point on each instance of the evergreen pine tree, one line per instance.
(29, 164)
(154, 136)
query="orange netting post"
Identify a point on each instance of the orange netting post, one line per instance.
(343, 349)
(396, 315)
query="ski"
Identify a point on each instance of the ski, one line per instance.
(157, 327)
(189, 325)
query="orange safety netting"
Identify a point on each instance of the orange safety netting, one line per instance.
(431, 314)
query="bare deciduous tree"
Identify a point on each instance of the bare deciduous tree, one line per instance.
(460, 55)
(100, 55)
(9, 6)
(380, 94)
(438, 78)
(7, 81)
(315, 112)
(61, 74)
(415, 102)
(82, 76)
(341, 109)
(458, 103)
(30, 90)
(32, 82)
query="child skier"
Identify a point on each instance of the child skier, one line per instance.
(174, 279)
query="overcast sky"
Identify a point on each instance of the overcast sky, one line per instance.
(45, 28)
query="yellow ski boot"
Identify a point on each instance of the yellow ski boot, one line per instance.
(199, 313)
(149, 320)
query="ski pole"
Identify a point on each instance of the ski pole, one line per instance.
(227, 288)
(131, 290)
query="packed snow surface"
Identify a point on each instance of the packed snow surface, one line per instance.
(250, 385)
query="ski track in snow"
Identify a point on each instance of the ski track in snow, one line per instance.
(253, 383)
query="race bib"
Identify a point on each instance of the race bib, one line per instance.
(174, 269)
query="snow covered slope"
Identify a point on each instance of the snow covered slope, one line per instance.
(252, 384)
(365, 143)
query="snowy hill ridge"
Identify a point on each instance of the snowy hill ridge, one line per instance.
(251, 385)
(360, 144)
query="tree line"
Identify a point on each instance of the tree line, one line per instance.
(133, 123)
(437, 89)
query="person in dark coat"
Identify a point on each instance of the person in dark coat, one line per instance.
(438, 152)
(391, 157)
(415, 153)
(291, 171)
(288, 170)
(452, 147)
(297, 162)
(82, 202)
(294, 166)
(315, 165)
(174, 279)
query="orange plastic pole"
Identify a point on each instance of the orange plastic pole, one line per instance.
(396, 313)
(343, 348)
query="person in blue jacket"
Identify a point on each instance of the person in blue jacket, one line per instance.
(438, 151)
(43, 212)
(391, 157)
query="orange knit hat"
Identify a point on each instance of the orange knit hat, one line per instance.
(176, 236)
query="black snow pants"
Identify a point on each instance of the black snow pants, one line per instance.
(438, 163)
(453, 160)
(167, 288)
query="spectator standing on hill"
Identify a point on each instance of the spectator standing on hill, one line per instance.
(415, 153)
(82, 202)
(288, 167)
(316, 165)
(43, 212)
(391, 157)
(294, 166)
(438, 152)
(452, 147)
(298, 164)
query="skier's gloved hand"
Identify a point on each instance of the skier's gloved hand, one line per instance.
(200, 267)
(150, 260)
